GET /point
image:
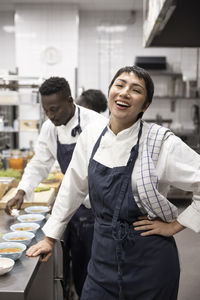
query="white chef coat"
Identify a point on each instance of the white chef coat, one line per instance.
(46, 148)
(178, 165)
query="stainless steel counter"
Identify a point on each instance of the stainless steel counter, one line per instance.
(29, 279)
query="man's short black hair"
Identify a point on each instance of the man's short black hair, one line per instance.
(93, 99)
(55, 85)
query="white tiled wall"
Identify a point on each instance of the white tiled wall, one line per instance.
(47, 40)
(102, 53)
(7, 42)
(107, 41)
(104, 42)
(46, 45)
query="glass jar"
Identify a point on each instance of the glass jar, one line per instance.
(16, 161)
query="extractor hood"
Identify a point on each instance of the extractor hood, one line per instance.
(177, 25)
(151, 62)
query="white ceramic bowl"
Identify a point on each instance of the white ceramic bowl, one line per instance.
(24, 237)
(32, 227)
(37, 209)
(12, 254)
(33, 218)
(6, 265)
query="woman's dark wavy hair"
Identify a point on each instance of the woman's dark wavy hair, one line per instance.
(55, 85)
(142, 74)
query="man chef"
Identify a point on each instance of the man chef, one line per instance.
(57, 140)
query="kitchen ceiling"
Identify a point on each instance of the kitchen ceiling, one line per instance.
(82, 4)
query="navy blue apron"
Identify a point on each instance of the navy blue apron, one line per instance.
(77, 238)
(124, 265)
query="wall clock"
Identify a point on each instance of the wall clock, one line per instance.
(51, 55)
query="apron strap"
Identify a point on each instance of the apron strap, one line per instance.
(134, 151)
(98, 143)
(77, 130)
(127, 176)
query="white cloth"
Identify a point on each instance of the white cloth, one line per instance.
(178, 165)
(46, 148)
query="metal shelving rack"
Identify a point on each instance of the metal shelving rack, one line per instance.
(8, 135)
(10, 86)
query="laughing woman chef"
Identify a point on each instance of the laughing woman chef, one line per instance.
(127, 167)
(57, 140)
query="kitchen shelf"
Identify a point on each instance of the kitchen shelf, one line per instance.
(9, 131)
(21, 78)
(168, 85)
(6, 104)
(169, 121)
(171, 23)
(165, 73)
(29, 130)
(174, 98)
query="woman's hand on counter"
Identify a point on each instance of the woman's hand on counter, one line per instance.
(44, 248)
(157, 226)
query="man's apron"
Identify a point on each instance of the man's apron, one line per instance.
(78, 235)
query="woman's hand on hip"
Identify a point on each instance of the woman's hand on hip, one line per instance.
(43, 248)
(157, 226)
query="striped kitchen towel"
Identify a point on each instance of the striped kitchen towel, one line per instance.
(153, 202)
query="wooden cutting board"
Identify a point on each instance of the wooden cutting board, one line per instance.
(40, 198)
(3, 188)
(54, 183)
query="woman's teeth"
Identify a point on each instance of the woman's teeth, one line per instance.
(122, 103)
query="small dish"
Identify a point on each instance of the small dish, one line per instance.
(6, 265)
(32, 227)
(37, 209)
(12, 250)
(24, 237)
(33, 218)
